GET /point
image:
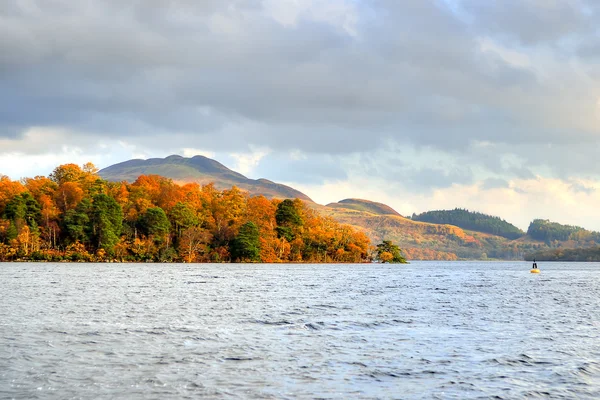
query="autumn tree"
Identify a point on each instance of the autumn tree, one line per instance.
(261, 211)
(227, 211)
(193, 244)
(68, 195)
(389, 252)
(67, 173)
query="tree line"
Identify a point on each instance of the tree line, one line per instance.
(561, 254)
(75, 215)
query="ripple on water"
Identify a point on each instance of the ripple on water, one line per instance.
(426, 330)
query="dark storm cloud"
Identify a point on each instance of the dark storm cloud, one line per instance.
(229, 76)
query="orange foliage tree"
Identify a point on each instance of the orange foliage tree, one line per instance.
(67, 215)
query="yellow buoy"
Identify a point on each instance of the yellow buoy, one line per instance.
(535, 271)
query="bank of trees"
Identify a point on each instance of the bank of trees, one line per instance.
(582, 254)
(75, 215)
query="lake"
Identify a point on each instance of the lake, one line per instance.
(447, 330)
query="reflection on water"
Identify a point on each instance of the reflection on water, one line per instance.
(426, 330)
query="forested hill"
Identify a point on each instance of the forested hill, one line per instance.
(474, 221)
(547, 231)
(201, 170)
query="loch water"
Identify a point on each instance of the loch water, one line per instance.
(447, 330)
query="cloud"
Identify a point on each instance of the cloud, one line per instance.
(495, 183)
(532, 22)
(419, 96)
(301, 169)
(337, 70)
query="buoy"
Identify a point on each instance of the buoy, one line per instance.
(534, 268)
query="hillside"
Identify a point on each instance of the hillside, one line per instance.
(364, 205)
(471, 220)
(427, 241)
(436, 235)
(198, 169)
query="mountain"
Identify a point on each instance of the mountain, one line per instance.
(198, 169)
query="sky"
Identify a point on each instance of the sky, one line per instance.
(493, 106)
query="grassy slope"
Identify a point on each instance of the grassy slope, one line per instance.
(364, 205)
(422, 240)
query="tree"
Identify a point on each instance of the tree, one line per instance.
(68, 195)
(183, 217)
(67, 173)
(23, 209)
(194, 244)
(246, 245)
(76, 223)
(227, 209)
(154, 222)
(107, 222)
(8, 190)
(288, 219)
(388, 252)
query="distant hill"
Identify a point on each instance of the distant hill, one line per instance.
(474, 221)
(427, 241)
(547, 231)
(200, 169)
(365, 205)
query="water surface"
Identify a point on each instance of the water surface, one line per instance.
(448, 330)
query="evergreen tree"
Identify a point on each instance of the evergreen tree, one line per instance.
(246, 245)
(23, 209)
(107, 222)
(154, 222)
(288, 219)
(76, 223)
